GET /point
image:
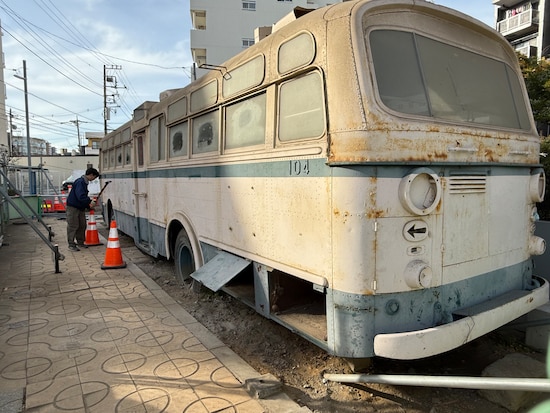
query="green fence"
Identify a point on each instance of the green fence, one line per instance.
(34, 201)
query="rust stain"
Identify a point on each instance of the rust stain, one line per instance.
(375, 213)
(382, 138)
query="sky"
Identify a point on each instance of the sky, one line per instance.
(66, 44)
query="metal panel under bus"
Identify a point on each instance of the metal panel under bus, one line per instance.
(220, 270)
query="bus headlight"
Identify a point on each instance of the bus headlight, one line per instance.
(420, 191)
(418, 274)
(537, 185)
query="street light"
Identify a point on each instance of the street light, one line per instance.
(32, 186)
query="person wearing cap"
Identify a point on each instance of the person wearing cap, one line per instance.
(77, 202)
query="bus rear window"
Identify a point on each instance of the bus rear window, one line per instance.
(420, 76)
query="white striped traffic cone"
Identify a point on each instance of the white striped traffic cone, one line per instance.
(92, 235)
(113, 255)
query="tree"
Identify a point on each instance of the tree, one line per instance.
(536, 74)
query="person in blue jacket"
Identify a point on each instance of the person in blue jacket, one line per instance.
(77, 202)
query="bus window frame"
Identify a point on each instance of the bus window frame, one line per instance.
(104, 159)
(225, 81)
(373, 83)
(204, 104)
(139, 138)
(297, 75)
(119, 153)
(288, 42)
(161, 139)
(246, 148)
(181, 121)
(213, 153)
(172, 117)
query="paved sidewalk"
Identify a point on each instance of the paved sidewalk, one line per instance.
(93, 340)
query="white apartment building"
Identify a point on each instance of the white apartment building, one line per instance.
(223, 28)
(523, 23)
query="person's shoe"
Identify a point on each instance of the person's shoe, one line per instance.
(73, 248)
(82, 246)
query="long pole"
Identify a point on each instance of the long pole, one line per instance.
(10, 137)
(29, 161)
(105, 110)
(459, 382)
(77, 123)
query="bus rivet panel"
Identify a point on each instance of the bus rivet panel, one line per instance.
(420, 191)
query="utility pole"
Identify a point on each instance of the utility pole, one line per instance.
(77, 123)
(112, 81)
(105, 113)
(32, 185)
(10, 137)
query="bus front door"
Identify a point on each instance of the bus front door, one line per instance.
(140, 196)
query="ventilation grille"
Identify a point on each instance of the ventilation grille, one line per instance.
(467, 184)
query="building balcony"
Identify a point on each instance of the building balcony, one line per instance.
(198, 19)
(520, 24)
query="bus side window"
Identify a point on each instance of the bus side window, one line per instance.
(139, 143)
(105, 157)
(157, 139)
(206, 133)
(301, 108)
(118, 152)
(245, 123)
(128, 154)
(178, 139)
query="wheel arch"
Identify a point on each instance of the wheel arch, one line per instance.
(176, 224)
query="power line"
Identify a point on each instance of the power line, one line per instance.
(44, 100)
(54, 68)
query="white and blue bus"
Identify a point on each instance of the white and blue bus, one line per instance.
(367, 176)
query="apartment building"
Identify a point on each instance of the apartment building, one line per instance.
(221, 29)
(523, 23)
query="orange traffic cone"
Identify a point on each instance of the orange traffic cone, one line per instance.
(92, 235)
(57, 205)
(113, 255)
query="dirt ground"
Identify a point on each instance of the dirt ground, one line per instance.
(300, 365)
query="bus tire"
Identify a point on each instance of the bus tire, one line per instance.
(183, 257)
(107, 212)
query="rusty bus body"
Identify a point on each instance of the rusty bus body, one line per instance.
(366, 175)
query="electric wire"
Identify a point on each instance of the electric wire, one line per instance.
(42, 43)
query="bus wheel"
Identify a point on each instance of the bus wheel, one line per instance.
(183, 257)
(107, 213)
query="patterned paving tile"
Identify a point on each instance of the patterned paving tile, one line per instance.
(88, 340)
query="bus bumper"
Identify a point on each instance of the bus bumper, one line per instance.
(477, 321)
